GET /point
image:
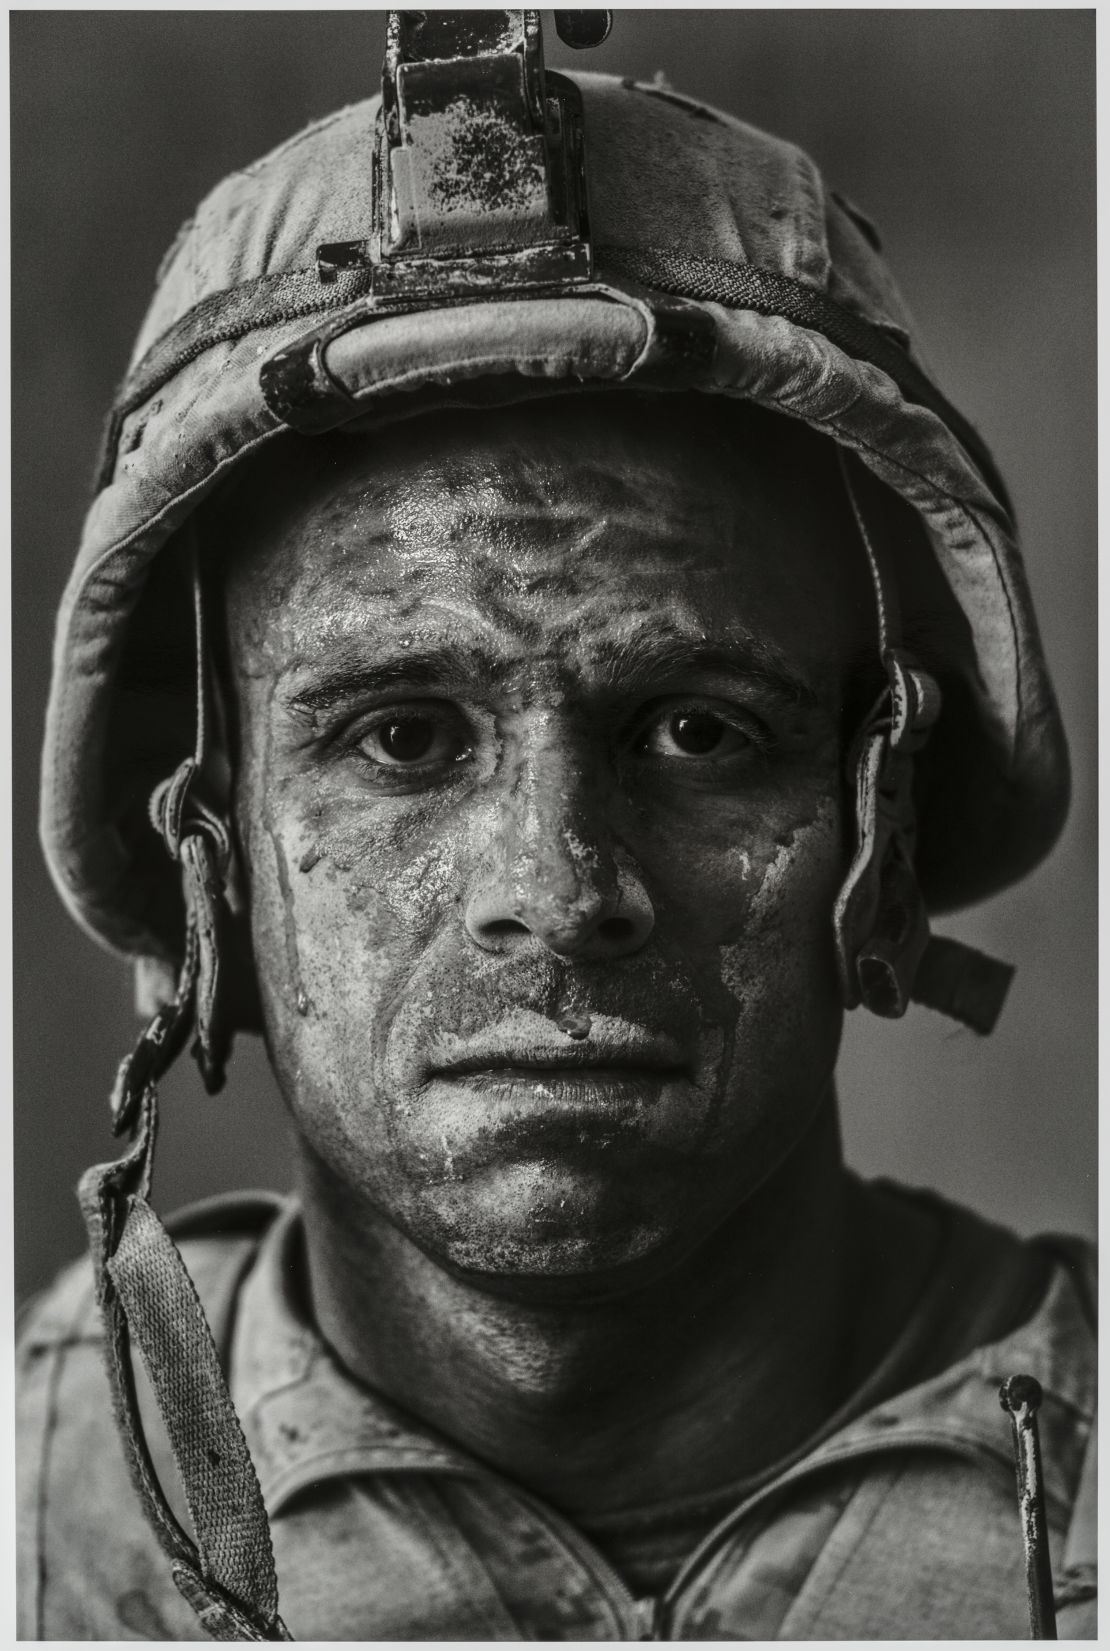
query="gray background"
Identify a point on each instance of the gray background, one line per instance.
(967, 135)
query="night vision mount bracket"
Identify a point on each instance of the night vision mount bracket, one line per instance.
(477, 191)
(479, 179)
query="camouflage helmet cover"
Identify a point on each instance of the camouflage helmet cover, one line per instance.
(783, 299)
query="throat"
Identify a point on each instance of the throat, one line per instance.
(705, 1375)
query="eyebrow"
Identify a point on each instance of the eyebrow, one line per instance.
(350, 674)
(636, 662)
(748, 658)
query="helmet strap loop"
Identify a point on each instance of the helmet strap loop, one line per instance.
(880, 920)
(198, 839)
(886, 956)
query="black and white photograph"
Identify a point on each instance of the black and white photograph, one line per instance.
(554, 906)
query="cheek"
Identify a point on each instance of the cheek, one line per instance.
(754, 877)
(783, 941)
(780, 971)
(753, 909)
(341, 915)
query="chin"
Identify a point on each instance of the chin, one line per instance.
(535, 1233)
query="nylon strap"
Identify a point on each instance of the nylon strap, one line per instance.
(271, 300)
(885, 952)
(148, 1302)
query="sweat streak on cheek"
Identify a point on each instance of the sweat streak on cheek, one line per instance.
(782, 960)
(269, 812)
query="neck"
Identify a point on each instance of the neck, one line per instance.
(703, 1375)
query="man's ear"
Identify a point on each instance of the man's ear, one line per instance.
(239, 1008)
(242, 1006)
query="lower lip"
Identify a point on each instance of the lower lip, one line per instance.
(565, 1086)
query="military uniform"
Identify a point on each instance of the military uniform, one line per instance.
(898, 1521)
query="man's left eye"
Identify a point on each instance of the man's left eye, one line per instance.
(412, 740)
(693, 732)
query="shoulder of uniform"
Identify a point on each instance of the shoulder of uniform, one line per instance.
(1079, 1259)
(1076, 1575)
(1059, 1341)
(216, 1236)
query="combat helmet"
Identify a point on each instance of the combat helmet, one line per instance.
(484, 232)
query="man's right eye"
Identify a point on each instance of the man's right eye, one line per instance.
(414, 740)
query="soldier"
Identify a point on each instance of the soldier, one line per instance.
(540, 667)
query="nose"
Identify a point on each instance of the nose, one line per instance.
(550, 870)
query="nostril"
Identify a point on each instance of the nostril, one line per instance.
(500, 924)
(500, 927)
(618, 931)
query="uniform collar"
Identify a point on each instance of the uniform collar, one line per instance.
(307, 1419)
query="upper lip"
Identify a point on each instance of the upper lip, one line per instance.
(620, 1045)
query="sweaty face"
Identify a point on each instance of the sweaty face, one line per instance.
(539, 800)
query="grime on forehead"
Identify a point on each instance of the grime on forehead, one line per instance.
(510, 537)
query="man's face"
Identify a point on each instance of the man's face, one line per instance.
(539, 797)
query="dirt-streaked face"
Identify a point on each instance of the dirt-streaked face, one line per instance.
(539, 799)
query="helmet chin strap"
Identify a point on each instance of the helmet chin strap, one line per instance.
(198, 837)
(225, 1569)
(885, 953)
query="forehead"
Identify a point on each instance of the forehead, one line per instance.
(557, 527)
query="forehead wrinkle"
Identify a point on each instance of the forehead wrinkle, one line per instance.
(498, 636)
(351, 659)
(418, 522)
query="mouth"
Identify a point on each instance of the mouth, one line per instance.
(617, 1056)
(529, 1059)
(568, 1087)
(576, 1064)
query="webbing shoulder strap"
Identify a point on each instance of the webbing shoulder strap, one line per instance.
(148, 1302)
